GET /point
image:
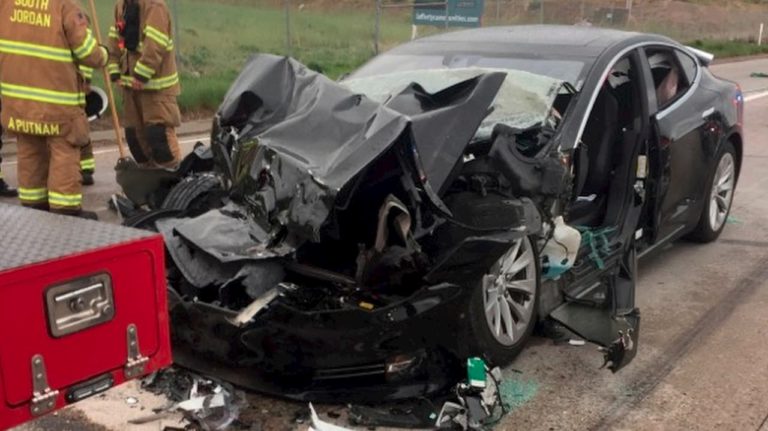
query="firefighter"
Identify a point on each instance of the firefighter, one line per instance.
(41, 41)
(5, 190)
(143, 61)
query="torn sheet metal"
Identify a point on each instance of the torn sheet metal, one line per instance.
(227, 234)
(304, 137)
(198, 268)
(252, 310)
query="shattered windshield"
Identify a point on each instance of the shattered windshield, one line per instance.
(566, 69)
(524, 100)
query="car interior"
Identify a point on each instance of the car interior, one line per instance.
(613, 118)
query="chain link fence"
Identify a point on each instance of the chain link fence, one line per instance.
(214, 38)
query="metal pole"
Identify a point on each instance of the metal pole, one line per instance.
(377, 28)
(446, 13)
(629, 10)
(760, 35)
(288, 36)
(108, 85)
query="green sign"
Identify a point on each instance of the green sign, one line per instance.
(460, 13)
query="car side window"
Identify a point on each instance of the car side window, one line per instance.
(688, 64)
(671, 79)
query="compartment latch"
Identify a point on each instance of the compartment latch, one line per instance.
(43, 398)
(134, 367)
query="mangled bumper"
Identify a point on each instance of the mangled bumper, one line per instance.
(393, 352)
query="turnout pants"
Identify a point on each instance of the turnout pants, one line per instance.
(49, 168)
(150, 122)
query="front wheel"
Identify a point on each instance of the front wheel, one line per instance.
(719, 197)
(503, 307)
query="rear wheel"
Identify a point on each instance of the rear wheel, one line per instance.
(719, 198)
(503, 308)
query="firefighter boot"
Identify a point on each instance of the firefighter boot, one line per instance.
(87, 178)
(6, 191)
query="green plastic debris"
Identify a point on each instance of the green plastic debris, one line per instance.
(593, 237)
(733, 220)
(758, 75)
(476, 372)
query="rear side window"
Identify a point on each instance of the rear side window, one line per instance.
(672, 77)
(688, 64)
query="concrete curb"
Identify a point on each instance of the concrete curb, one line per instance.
(106, 138)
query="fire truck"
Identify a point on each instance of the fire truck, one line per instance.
(83, 308)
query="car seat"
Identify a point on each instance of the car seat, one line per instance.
(599, 142)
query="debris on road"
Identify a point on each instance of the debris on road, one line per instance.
(208, 404)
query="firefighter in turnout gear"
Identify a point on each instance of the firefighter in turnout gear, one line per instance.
(5, 190)
(41, 44)
(142, 59)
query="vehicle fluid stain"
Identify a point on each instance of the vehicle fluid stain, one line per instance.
(515, 392)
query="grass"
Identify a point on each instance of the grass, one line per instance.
(216, 37)
(730, 48)
(215, 40)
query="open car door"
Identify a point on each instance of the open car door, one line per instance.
(601, 307)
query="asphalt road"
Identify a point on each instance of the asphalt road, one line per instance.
(703, 355)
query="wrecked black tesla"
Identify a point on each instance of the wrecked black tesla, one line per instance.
(356, 239)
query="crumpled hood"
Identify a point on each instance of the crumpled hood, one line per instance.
(303, 137)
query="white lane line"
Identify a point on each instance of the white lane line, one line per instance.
(755, 96)
(202, 139)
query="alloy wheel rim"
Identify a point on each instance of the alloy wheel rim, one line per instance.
(509, 291)
(722, 192)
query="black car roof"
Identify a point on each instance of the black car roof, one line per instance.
(571, 41)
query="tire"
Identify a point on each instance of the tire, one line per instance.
(194, 195)
(146, 220)
(712, 221)
(501, 349)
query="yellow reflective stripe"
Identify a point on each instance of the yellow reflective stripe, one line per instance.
(158, 36)
(113, 68)
(153, 84)
(41, 95)
(37, 51)
(162, 83)
(113, 34)
(144, 70)
(86, 71)
(62, 200)
(33, 195)
(86, 49)
(88, 164)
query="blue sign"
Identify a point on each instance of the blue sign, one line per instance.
(460, 13)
